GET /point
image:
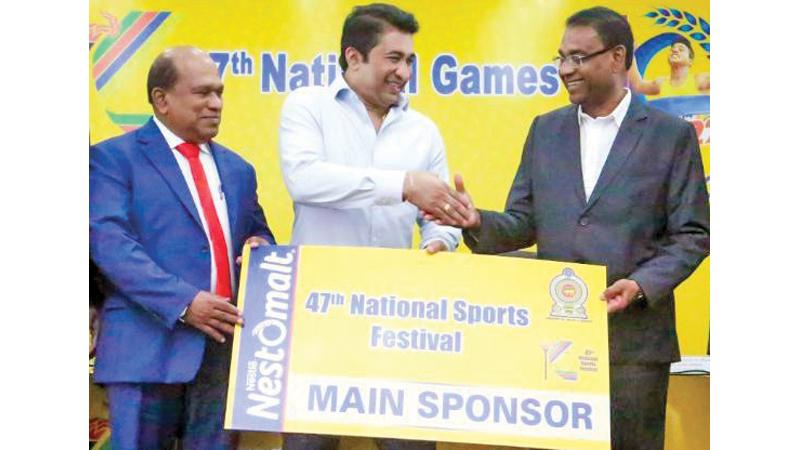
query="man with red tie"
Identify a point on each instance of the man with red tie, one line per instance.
(169, 212)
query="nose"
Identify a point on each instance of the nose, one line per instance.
(215, 101)
(403, 70)
(565, 69)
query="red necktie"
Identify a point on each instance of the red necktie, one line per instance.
(191, 152)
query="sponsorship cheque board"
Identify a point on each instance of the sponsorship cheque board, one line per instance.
(399, 343)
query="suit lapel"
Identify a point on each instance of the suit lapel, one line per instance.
(227, 178)
(628, 136)
(571, 143)
(160, 155)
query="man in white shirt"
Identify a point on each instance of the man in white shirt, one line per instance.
(610, 181)
(359, 163)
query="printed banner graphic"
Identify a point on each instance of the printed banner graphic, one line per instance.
(399, 343)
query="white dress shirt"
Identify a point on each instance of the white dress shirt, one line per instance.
(214, 186)
(597, 137)
(346, 180)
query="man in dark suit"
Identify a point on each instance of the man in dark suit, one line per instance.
(610, 181)
(169, 210)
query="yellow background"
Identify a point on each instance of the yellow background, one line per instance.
(483, 134)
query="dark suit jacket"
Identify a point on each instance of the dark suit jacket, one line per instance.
(147, 238)
(647, 218)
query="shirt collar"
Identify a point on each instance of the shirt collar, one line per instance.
(618, 114)
(173, 141)
(340, 89)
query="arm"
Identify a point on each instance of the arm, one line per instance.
(430, 231)
(310, 179)
(114, 245)
(513, 229)
(703, 82)
(686, 242)
(642, 86)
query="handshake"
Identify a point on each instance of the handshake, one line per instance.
(440, 203)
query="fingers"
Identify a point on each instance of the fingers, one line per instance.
(219, 325)
(453, 209)
(435, 247)
(615, 304)
(459, 182)
(255, 241)
(213, 315)
(616, 296)
(228, 317)
(226, 308)
(212, 333)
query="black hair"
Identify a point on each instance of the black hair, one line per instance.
(163, 74)
(612, 27)
(365, 24)
(684, 41)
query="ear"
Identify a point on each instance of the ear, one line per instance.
(353, 57)
(618, 54)
(160, 102)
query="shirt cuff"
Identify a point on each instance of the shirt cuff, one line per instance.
(388, 186)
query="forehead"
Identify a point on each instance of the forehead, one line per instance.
(580, 39)
(197, 69)
(394, 40)
(680, 46)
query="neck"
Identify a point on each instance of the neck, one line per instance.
(679, 74)
(182, 136)
(376, 112)
(605, 107)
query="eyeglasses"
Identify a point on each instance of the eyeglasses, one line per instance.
(577, 60)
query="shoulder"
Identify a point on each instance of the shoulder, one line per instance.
(119, 148)
(666, 122)
(420, 120)
(307, 96)
(123, 141)
(555, 118)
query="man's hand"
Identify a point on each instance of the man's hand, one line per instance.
(470, 217)
(435, 247)
(620, 295)
(430, 194)
(213, 315)
(253, 242)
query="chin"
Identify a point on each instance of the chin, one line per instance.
(209, 134)
(576, 99)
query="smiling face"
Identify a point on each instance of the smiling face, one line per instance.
(680, 55)
(192, 107)
(379, 79)
(595, 84)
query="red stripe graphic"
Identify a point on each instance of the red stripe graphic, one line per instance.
(123, 43)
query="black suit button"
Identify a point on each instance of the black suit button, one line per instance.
(204, 249)
(584, 221)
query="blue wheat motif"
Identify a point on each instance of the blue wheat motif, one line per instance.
(695, 27)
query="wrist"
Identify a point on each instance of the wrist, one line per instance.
(639, 298)
(408, 185)
(182, 317)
